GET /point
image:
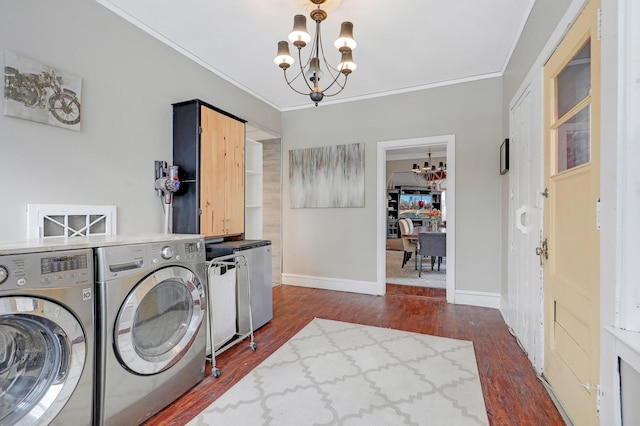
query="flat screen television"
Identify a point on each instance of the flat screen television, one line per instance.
(412, 205)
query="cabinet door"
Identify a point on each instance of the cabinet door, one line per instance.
(212, 174)
(222, 174)
(234, 174)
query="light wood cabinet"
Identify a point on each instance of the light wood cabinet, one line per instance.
(208, 147)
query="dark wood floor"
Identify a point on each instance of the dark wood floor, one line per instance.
(512, 393)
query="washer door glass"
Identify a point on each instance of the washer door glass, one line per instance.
(159, 320)
(38, 359)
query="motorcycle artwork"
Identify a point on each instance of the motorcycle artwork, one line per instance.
(41, 91)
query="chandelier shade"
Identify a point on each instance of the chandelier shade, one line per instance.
(284, 58)
(314, 69)
(299, 35)
(345, 41)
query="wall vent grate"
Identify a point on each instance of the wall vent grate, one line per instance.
(67, 220)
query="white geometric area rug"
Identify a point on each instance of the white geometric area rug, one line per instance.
(338, 373)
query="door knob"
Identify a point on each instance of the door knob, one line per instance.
(543, 250)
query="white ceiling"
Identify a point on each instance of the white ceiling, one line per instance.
(403, 45)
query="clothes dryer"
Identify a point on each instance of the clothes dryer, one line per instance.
(152, 334)
(46, 338)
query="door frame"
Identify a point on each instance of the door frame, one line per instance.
(381, 211)
(620, 242)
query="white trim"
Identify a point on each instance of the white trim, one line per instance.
(624, 345)
(627, 345)
(628, 175)
(619, 291)
(478, 298)
(504, 309)
(326, 283)
(381, 210)
(445, 83)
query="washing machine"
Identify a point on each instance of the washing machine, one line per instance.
(151, 326)
(47, 338)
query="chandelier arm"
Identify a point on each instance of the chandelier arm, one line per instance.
(302, 67)
(301, 72)
(335, 81)
(317, 51)
(333, 72)
(342, 86)
(335, 77)
(330, 67)
(291, 86)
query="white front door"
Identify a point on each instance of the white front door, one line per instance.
(525, 222)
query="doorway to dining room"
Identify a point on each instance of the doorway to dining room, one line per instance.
(392, 172)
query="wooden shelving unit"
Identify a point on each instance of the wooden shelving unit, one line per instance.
(253, 190)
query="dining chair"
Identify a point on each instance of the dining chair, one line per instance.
(432, 244)
(408, 246)
(410, 227)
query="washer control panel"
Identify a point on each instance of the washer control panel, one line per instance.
(48, 269)
(124, 260)
(178, 250)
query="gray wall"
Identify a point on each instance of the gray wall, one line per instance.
(129, 81)
(542, 21)
(341, 243)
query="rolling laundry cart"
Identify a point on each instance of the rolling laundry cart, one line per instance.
(224, 295)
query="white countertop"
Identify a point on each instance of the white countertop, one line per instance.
(62, 243)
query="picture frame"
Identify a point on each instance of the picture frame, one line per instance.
(37, 92)
(328, 176)
(504, 157)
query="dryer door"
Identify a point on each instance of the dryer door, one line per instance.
(159, 320)
(42, 355)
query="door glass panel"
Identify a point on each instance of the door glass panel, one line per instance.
(574, 82)
(574, 141)
(30, 357)
(162, 319)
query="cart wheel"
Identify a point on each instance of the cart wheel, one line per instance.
(253, 346)
(216, 373)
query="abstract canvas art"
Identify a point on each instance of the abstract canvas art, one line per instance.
(330, 176)
(37, 92)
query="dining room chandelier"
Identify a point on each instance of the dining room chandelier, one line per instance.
(313, 69)
(433, 174)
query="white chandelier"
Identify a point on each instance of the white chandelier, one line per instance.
(312, 70)
(432, 174)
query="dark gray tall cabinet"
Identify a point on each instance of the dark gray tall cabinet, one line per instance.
(208, 147)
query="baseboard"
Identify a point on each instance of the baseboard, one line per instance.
(504, 306)
(462, 297)
(477, 298)
(324, 283)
